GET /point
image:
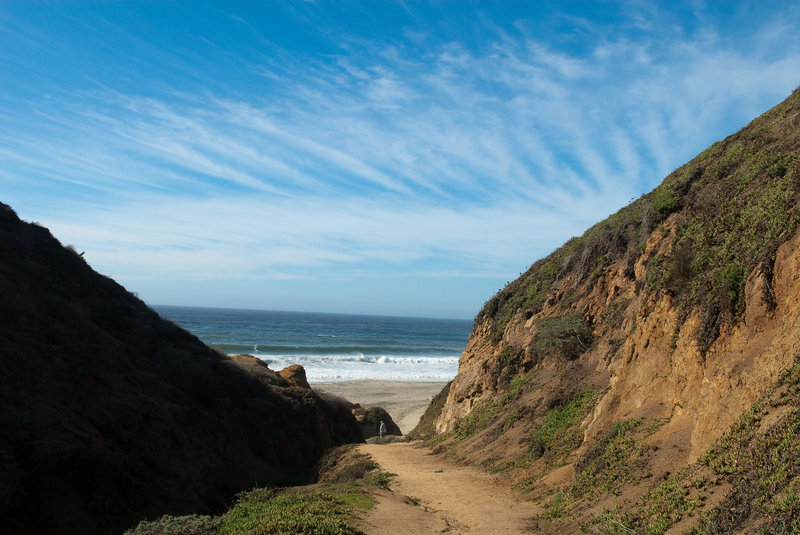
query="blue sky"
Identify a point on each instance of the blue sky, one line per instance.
(373, 157)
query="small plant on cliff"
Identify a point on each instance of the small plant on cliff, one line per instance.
(479, 418)
(677, 497)
(761, 465)
(558, 432)
(607, 466)
(666, 200)
(518, 385)
(357, 466)
(569, 334)
(556, 436)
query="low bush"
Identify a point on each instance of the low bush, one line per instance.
(569, 334)
(262, 512)
(479, 418)
(666, 200)
(177, 525)
(558, 432)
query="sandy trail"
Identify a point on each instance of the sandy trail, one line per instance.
(452, 499)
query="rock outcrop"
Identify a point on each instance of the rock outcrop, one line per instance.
(681, 311)
(111, 415)
(369, 420)
(295, 375)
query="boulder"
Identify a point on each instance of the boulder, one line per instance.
(369, 420)
(295, 375)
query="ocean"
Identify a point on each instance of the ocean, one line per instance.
(332, 347)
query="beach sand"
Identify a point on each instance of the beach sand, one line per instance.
(404, 401)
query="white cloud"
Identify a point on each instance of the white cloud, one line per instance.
(241, 237)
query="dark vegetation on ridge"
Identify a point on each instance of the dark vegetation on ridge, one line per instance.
(111, 415)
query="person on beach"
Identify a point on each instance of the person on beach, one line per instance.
(382, 429)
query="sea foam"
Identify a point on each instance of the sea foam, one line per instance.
(322, 368)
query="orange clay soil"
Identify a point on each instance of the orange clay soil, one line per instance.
(431, 494)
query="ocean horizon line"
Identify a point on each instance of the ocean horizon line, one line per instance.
(156, 306)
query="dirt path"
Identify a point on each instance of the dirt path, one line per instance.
(449, 498)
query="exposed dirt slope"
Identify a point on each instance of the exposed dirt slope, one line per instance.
(111, 415)
(625, 355)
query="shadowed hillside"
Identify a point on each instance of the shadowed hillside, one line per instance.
(111, 414)
(644, 376)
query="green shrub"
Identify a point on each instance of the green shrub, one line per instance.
(657, 274)
(607, 464)
(568, 334)
(516, 388)
(551, 433)
(479, 418)
(666, 200)
(509, 356)
(262, 512)
(357, 469)
(730, 279)
(177, 525)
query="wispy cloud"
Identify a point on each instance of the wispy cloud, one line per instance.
(424, 154)
(243, 237)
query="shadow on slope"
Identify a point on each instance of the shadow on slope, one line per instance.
(112, 414)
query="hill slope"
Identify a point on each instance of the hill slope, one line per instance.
(624, 358)
(111, 415)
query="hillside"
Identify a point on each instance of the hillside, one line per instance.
(111, 415)
(643, 378)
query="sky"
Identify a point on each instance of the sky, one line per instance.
(374, 157)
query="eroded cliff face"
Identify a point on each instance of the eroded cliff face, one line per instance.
(682, 310)
(702, 395)
(645, 345)
(655, 373)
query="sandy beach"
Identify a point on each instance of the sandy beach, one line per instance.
(404, 401)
